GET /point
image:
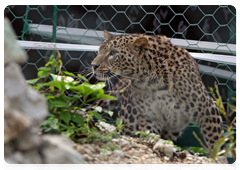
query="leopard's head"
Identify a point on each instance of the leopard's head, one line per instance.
(119, 55)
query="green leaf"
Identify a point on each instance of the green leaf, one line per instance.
(75, 97)
(68, 133)
(105, 96)
(97, 108)
(68, 85)
(217, 148)
(54, 77)
(96, 114)
(119, 121)
(83, 109)
(43, 74)
(60, 86)
(48, 83)
(52, 57)
(83, 89)
(98, 86)
(80, 76)
(65, 98)
(45, 68)
(66, 116)
(78, 119)
(50, 97)
(48, 63)
(70, 74)
(58, 104)
(32, 81)
(110, 113)
(52, 122)
(227, 134)
(228, 147)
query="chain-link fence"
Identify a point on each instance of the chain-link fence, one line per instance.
(207, 32)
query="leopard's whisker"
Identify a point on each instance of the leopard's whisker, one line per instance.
(91, 76)
(89, 73)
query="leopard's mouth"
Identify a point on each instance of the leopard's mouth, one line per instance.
(104, 76)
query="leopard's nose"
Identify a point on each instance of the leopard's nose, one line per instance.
(95, 66)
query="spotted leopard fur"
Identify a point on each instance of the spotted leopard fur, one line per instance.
(165, 90)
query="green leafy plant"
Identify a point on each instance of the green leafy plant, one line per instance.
(197, 150)
(111, 147)
(119, 124)
(66, 99)
(146, 134)
(228, 138)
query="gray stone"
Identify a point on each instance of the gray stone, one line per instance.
(166, 149)
(221, 160)
(24, 98)
(118, 153)
(29, 157)
(14, 83)
(6, 105)
(106, 126)
(59, 150)
(24, 110)
(15, 122)
(29, 140)
(12, 50)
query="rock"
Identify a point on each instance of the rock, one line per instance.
(118, 153)
(80, 149)
(87, 158)
(221, 160)
(28, 157)
(181, 155)
(106, 126)
(59, 150)
(166, 149)
(24, 110)
(6, 105)
(24, 98)
(12, 50)
(15, 122)
(29, 140)
(96, 142)
(14, 83)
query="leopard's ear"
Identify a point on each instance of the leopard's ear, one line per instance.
(106, 35)
(140, 43)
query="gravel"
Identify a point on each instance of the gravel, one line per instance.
(128, 150)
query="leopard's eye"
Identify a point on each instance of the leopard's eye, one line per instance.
(113, 52)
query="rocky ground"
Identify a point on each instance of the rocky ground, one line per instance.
(128, 150)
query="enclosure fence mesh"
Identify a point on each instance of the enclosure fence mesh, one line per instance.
(209, 30)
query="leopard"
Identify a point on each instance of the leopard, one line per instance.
(162, 87)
